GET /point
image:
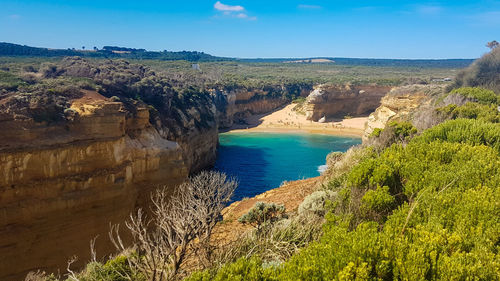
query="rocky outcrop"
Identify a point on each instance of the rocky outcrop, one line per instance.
(399, 103)
(332, 101)
(64, 183)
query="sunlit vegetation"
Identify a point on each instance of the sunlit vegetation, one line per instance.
(420, 205)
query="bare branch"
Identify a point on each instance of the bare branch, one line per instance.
(162, 243)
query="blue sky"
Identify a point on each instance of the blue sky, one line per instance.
(257, 28)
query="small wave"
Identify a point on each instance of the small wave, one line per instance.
(322, 168)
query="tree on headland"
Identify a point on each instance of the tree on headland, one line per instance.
(492, 44)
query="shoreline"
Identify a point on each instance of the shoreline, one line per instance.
(286, 120)
(345, 132)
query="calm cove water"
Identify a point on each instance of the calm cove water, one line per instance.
(262, 161)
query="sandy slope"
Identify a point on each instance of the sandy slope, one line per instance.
(287, 120)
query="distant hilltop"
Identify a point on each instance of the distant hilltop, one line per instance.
(10, 49)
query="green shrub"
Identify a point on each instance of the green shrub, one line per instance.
(436, 164)
(338, 170)
(446, 230)
(474, 132)
(341, 254)
(116, 269)
(480, 95)
(263, 213)
(376, 132)
(471, 110)
(403, 129)
(454, 239)
(378, 200)
(299, 100)
(243, 269)
(394, 132)
(9, 81)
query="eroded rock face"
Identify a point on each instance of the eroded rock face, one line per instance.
(338, 101)
(64, 183)
(398, 103)
(236, 105)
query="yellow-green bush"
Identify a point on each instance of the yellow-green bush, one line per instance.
(116, 269)
(403, 129)
(378, 200)
(478, 94)
(448, 230)
(472, 110)
(243, 269)
(392, 133)
(468, 131)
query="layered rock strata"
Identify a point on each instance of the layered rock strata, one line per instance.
(399, 103)
(63, 184)
(333, 101)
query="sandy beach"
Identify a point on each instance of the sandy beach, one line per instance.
(288, 120)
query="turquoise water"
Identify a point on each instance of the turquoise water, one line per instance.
(262, 161)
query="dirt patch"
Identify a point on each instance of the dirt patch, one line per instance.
(88, 98)
(290, 195)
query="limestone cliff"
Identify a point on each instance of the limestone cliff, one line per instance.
(333, 101)
(399, 103)
(234, 105)
(64, 183)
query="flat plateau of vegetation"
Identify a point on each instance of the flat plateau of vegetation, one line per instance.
(258, 74)
(254, 73)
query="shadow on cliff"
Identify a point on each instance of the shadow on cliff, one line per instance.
(249, 121)
(250, 169)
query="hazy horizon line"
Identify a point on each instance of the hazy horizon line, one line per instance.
(248, 58)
